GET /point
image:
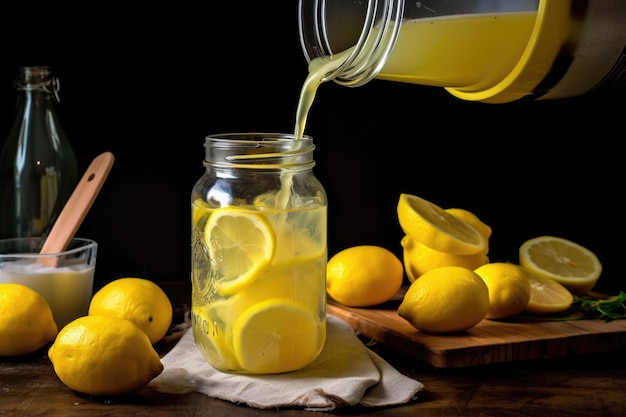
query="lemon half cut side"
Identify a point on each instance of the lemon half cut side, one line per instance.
(436, 228)
(566, 262)
(546, 295)
(242, 244)
(474, 221)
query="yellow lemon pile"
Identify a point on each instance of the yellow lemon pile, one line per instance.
(444, 248)
(110, 351)
(26, 321)
(435, 237)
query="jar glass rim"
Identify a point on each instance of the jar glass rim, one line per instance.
(258, 150)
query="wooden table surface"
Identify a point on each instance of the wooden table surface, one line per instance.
(582, 385)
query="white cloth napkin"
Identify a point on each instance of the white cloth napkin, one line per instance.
(346, 373)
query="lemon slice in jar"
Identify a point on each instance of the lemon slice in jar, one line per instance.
(275, 336)
(242, 243)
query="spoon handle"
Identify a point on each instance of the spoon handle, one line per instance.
(77, 206)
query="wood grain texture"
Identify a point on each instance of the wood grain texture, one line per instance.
(489, 342)
(586, 385)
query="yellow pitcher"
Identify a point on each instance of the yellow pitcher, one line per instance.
(493, 51)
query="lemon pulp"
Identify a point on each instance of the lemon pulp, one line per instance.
(546, 295)
(566, 262)
(295, 271)
(244, 242)
(474, 221)
(275, 336)
(436, 228)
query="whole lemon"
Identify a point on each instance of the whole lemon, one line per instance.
(419, 258)
(362, 276)
(104, 355)
(509, 289)
(26, 320)
(445, 300)
(139, 300)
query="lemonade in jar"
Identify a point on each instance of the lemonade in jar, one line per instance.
(259, 253)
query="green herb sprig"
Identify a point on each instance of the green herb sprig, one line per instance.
(607, 309)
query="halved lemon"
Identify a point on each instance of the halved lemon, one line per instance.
(241, 245)
(436, 228)
(474, 221)
(275, 336)
(566, 262)
(546, 295)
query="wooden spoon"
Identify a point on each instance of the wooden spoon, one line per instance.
(76, 208)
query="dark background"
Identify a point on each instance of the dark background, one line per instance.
(150, 88)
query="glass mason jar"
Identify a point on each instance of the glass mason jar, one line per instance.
(259, 253)
(493, 51)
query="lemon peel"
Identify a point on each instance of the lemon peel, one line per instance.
(419, 258)
(509, 289)
(445, 300)
(138, 300)
(26, 320)
(104, 355)
(363, 275)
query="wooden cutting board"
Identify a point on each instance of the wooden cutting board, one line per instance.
(489, 342)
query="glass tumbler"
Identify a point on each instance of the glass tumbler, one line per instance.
(64, 279)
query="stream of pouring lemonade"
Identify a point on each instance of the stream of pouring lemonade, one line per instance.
(319, 68)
